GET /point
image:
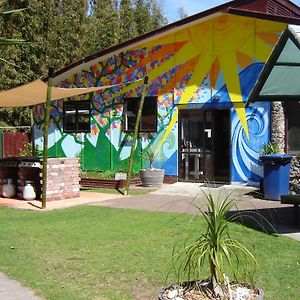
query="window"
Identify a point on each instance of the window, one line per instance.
(149, 114)
(293, 126)
(76, 116)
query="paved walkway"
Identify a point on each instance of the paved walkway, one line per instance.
(85, 198)
(178, 197)
(272, 216)
(12, 290)
(182, 197)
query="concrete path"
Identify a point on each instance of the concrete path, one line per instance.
(85, 198)
(180, 197)
(12, 290)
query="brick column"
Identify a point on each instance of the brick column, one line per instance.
(62, 178)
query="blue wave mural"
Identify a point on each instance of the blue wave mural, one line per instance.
(245, 165)
(245, 152)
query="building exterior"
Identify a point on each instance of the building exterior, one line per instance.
(279, 84)
(201, 71)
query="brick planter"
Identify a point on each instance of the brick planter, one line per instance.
(62, 176)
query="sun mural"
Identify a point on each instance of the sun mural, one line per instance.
(219, 47)
(187, 66)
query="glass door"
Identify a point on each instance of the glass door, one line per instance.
(195, 145)
(204, 145)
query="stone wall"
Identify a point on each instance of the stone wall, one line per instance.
(278, 125)
(278, 137)
(295, 176)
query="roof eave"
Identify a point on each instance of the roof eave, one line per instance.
(157, 32)
(228, 7)
(134, 42)
(264, 16)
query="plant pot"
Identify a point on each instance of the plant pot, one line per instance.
(152, 177)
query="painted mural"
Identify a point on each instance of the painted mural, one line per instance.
(211, 64)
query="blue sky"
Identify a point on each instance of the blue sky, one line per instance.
(192, 6)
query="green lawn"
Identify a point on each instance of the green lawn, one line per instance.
(102, 253)
(98, 174)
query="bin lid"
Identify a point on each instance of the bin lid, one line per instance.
(277, 158)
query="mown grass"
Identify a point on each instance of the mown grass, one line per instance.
(98, 174)
(104, 253)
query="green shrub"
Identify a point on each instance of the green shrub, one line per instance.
(27, 151)
(270, 148)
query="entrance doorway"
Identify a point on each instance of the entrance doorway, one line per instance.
(204, 145)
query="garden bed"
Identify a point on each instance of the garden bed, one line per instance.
(106, 183)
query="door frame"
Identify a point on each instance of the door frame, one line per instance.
(179, 162)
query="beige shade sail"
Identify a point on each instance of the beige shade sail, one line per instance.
(36, 92)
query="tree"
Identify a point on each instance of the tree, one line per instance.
(148, 16)
(63, 31)
(55, 28)
(157, 16)
(8, 54)
(216, 247)
(142, 16)
(127, 28)
(182, 14)
(101, 26)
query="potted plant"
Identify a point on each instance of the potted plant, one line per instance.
(276, 171)
(151, 176)
(270, 149)
(218, 250)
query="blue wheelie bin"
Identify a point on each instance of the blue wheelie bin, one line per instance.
(276, 175)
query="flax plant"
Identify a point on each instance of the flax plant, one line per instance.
(216, 246)
(150, 155)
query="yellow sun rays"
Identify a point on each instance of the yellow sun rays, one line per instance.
(233, 43)
(214, 48)
(199, 71)
(229, 67)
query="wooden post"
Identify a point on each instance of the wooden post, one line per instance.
(46, 130)
(32, 132)
(135, 134)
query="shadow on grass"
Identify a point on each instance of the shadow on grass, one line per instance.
(278, 220)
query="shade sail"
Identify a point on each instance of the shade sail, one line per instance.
(36, 92)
